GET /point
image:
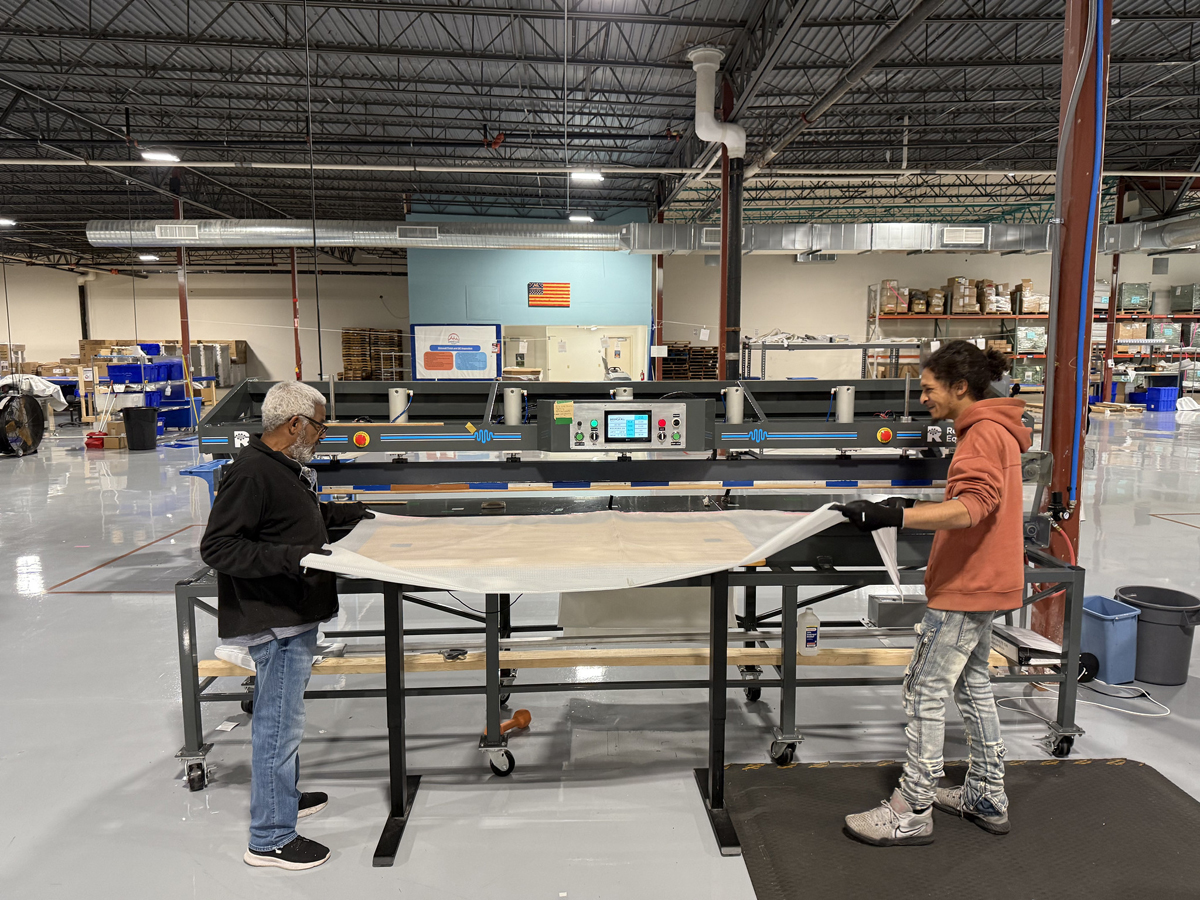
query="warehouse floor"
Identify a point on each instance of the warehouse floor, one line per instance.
(603, 802)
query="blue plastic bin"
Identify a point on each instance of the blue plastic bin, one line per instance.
(161, 427)
(151, 349)
(181, 416)
(1161, 399)
(1135, 397)
(1110, 632)
(153, 398)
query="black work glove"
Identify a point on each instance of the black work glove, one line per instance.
(867, 516)
(900, 502)
(368, 514)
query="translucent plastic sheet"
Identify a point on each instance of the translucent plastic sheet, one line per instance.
(586, 552)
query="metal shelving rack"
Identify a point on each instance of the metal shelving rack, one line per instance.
(866, 348)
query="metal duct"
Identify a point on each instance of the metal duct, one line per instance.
(232, 233)
(640, 238)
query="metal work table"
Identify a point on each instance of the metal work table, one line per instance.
(808, 564)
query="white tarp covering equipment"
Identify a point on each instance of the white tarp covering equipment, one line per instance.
(597, 551)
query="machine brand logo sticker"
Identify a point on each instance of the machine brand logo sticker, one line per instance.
(483, 435)
(935, 434)
(361, 439)
(884, 435)
(452, 338)
(241, 438)
(758, 435)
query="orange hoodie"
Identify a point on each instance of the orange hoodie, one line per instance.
(982, 567)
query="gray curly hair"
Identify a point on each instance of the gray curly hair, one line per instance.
(287, 399)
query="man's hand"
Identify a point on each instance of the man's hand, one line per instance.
(368, 514)
(867, 516)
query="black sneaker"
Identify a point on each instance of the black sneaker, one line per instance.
(312, 803)
(301, 853)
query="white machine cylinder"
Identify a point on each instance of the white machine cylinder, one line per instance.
(513, 402)
(621, 393)
(735, 400)
(845, 404)
(399, 399)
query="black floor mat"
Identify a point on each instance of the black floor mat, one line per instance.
(1089, 829)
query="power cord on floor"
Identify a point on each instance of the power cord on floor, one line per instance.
(1140, 693)
(511, 603)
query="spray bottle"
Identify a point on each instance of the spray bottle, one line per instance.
(809, 627)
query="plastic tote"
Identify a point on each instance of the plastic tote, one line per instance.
(141, 423)
(1166, 626)
(1110, 632)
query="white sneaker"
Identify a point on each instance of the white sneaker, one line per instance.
(892, 824)
(236, 654)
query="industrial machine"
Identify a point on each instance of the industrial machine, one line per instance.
(433, 449)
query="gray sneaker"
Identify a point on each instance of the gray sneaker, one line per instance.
(891, 824)
(983, 814)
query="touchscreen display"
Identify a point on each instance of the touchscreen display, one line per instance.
(633, 425)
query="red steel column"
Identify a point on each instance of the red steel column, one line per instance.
(1077, 273)
(185, 330)
(296, 315)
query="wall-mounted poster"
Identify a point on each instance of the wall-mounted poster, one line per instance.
(455, 352)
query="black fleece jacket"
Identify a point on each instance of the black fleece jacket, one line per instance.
(263, 521)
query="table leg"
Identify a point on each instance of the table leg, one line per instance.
(783, 748)
(712, 780)
(403, 785)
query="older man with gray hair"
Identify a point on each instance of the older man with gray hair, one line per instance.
(266, 517)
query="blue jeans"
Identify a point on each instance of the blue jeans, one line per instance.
(283, 668)
(952, 656)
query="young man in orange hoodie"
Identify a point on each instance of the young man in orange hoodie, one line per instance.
(976, 569)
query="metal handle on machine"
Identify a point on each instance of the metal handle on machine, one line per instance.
(753, 403)
(332, 401)
(907, 398)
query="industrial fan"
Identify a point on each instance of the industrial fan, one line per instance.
(22, 424)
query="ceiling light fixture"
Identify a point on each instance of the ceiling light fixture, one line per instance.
(587, 176)
(7, 222)
(581, 217)
(159, 156)
(147, 257)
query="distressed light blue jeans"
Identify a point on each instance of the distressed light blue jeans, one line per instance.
(283, 668)
(951, 656)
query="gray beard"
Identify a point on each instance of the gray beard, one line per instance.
(300, 451)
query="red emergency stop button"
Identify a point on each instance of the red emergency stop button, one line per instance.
(361, 439)
(662, 423)
(884, 435)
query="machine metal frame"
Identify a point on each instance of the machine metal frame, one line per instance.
(1053, 574)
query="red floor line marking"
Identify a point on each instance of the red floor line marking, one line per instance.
(1167, 517)
(55, 587)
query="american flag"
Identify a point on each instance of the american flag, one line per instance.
(549, 293)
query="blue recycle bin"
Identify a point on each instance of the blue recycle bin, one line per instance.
(1110, 632)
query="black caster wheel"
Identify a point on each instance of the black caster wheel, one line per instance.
(504, 698)
(1062, 747)
(784, 755)
(509, 765)
(248, 707)
(195, 777)
(753, 695)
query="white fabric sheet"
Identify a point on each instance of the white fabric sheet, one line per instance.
(38, 388)
(596, 551)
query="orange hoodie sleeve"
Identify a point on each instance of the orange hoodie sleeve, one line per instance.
(978, 480)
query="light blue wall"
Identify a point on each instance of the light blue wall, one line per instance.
(485, 286)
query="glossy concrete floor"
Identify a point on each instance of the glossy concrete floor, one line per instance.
(603, 802)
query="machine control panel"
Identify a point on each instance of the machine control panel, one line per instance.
(625, 426)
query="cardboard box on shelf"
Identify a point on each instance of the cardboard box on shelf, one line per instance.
(1133, 295)
(1031, 304)
(29, 368)
(1031, 339)
(1166, 331)
(1002, 346)
(1185, 298)
(54, 370)
(918, 302)
(964, 306)
(888, 296)
(1130, 331)
(208, 394)
(937, 302)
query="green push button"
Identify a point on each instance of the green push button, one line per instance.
(579, 435)
(674, 435)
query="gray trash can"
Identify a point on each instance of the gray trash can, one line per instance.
(1165, 630)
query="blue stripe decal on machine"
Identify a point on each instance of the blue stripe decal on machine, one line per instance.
(335, 439)
(913, 482)
(370, 487)
(841, 484)
(214, 440)
(488, 485)
(731, 484)
(647, 484)
(909, 435)
(571, 484)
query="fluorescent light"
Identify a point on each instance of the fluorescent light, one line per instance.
(147, 257)
(159, 156)
(586, 176)
(581, 217)
(8, 222)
